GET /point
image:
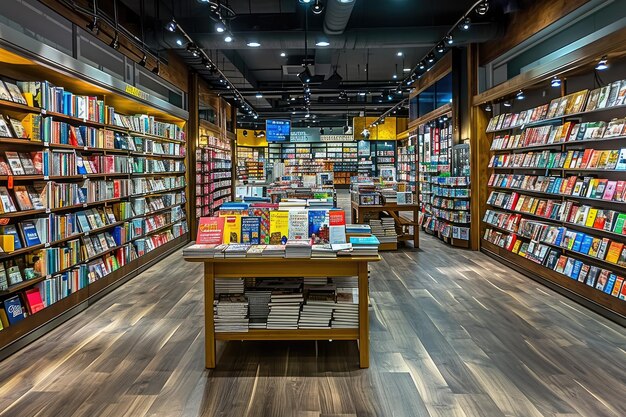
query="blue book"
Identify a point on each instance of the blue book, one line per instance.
(234, 206)
(610, 283)
(14, 309)
(559, 236)
(576, 269)
(578, 242)
(318, 226)
(29, 232)
(117, 235)
(251, 230)
(364, 241)
(585, 245)
(11, 230)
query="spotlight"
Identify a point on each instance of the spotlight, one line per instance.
(482, 8)
(449, 40)
(507, 103)
(488, 107)
(441, 47)
(228, 38)
(245, 133)
(389, 97)
(253, 44)
(115, 42)
(143, 61)
(520, 95)
(220, 28)
(400, 53)
(93, 26)
(305, 76)
(192, 49)
(465, 24)
(256, 116)
(322, 43)
(394, 76)
(317, 7)
(603, 63)
(422, 65)
(259, 95)
(157, 69)
(206, 63)
(406, 69)
(431, 58)
(362, 93)
(556, 82)
(179, 42)
(343, 95)
(305, 1)
(282, 54)
(171, 26)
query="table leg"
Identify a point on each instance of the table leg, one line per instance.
(354, 216)
(209, 328)
(416, 232)
(364, 323)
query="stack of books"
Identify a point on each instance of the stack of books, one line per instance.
(323, 251)
(229, 286)
(236, 250)
(389, 195)
(274, 251)
(284, 310)
(345, 282)
(320, 301)
(346, 310)
(365, 246)
(358, 230)
(308, 281)
(320, 203)
(202, 251)
(231, 311)
(255, 251)
(292, 203)
(384, 230)
(298, 249)
(259, 308)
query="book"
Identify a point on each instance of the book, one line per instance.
(319, 231)
(251, 230)
(232, 228)
(33, 300)
(5, 132)
(14, 274)
(15, 92)
(18, 128)
(11, 230)
(298, 225)
(14, 310)
(614, 252)
(29, 233)
(4, 93)
(210, 230)
(22, 198)
(7, 205)
(603, 278)
(337, 226)
(619, 281)
(279, 227)
(14, 163)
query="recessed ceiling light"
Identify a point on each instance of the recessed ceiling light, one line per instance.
(219, 27)
(406, 69)
(179, 42)
(465, 24)
(253, 44)
(228, 38)
(283, 54)
(259, 95)
(323, 43)
(394, 76)
(400, 53)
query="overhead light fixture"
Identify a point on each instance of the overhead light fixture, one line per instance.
(394, 76)
(520, 95)
(465, 24)
(603, 63)
(482, 8)
(362, 93)
(157, 68)
(220, 28)
(556, 82)
(228, 38)
(259, 95)
(317, 7)
(171, 26)
(144, 60)
(307, 115)
(115, 42)
(431, 58)
(193, 49)
(507, 103)
(441, 47)
(322, 43)
(256, 116)
(93, 26)
(449, 40)
(406, 69)
(179, 42)
(206, 63)
(305, 1)
(422, 65)
(488, 107)
(305, 76)
(282, 54)
(253, 44)
(400, 53)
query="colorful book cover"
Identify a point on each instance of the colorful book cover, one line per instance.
(619, 281)
(210, 230)
(298, 225)
(319, 230)
(608, 288)
(576, 270)
(11, 230)
(614, 252)
(337, 226)
(14, 310)
(584, 271)
(34, 301)
(232, 228)
(603, 279)
(585, 245)
(251, 230)
(29, 233)
(279, 227)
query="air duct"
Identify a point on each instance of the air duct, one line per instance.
(337, 16)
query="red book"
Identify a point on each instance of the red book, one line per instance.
(34, 301)
(586, 157)
(210, 230)
(73, 139)
(116, 189)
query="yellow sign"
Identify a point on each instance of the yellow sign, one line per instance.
(134, 91)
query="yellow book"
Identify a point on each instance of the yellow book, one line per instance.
(232, 228)
(3, 318)
(603, 159)
(615, 249)
(516, 246)
(568, 159)
(591, 217)
(7, 242)
(279, 227)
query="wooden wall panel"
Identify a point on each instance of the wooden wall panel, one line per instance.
(525, 23)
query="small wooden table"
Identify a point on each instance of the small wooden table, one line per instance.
(359, 211)
(283, 268)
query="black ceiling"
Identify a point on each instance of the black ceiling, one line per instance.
(365, 54)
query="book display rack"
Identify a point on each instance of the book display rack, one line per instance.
(89, 196)
(555, 204)
(250, 164)
(213, 175)
(407, 163)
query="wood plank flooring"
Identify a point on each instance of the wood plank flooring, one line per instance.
(453, 334)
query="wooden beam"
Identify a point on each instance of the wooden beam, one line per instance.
(441, 68)
(445, 109)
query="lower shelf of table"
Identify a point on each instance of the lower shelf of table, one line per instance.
(299, 334)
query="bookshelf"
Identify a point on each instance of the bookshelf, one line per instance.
(251, 164)
(213, 175)
(407, 163)
(93, 191)
(555, 204)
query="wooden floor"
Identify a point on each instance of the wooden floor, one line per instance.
(453, 333)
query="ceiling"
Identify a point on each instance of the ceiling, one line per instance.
(363, 50)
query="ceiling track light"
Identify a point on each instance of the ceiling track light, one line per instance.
(465, 24)
(93, 26)
(171, 26)
(317, 7)
(422, 65)
(449, 39)
(157, 69)
(220, 27)
(507, 103)
(603, 63)
(305, 76)
(556, 82)
(482, 8)
(520, 95)
(431, 58)
(488, 107)
(441, 47)
(144, 60)
(115, 42)
(228, 38)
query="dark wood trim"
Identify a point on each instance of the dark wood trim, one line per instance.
(193, 133)
(445, 109)
(441, 68)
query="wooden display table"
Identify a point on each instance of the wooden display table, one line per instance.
(359, 211)
(284, 268)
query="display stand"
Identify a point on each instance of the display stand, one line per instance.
(286, 268)
(403, 223)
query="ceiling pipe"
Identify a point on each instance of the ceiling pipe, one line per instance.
(337, 15)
